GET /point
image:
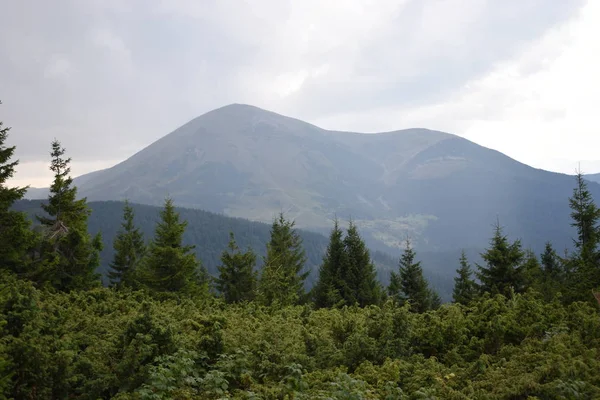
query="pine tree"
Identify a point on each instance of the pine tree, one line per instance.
(69, 255)
(465, 288)
(16, 238)
(503, 269)
(282, 279)
(331, 283)
(237, 277)
(129, 249)
(409, 284)
(361, 286)
(170, 266)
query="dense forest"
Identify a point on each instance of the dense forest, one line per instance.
(519, 326)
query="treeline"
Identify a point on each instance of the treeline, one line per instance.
(520, 326)
(211, 231)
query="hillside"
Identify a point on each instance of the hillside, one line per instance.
(442, 190)
(593, 177)
(210, 233)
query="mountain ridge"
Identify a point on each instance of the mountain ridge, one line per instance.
(441, 189)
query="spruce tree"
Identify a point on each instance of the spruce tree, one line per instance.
(585, 215)
(361, 286)
(282, 279)
(237, 277)
(584, 265)
(532, 271)
(169, 265)
(69, 255)
(16, 238)
(553, 272)
(465, 288)
(331, 284)
(503, 268)
(409, 284)
(129, 249)
(551, 265)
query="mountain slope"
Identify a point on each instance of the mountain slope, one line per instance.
(442, 190)
(593, 177)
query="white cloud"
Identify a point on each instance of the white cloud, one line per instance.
(540, 107)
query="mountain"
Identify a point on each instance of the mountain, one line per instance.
(593, 177)
(442, 190)
(209, 232)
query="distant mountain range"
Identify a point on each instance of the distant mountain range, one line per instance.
(443, 191)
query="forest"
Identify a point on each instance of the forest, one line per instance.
(519, 326)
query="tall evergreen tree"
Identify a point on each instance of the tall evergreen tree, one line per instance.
(237, 277)
(16, 238)
(465, 288)
(503, 269)
(170, 266)
(585, 216)
(69, 255)
(361, 285)
(331, 284)
(282, 279)
(129, 249)
(584, 266)
(409, 284)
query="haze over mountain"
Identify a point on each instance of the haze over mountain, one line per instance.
(440, 189)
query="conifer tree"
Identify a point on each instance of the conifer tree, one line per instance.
(585, 215)
(69, 255)
(237, 277)
(331, 284)
(550, 261)
(503, 269)
(15, 234)
(532, 271)
(584, 266)
(282, 279)
(465, 288)
(129, 249)
(409, 284)
(169, 265)
(553, 272)
(361, 285)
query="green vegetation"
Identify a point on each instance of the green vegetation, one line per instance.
(282, 276)
(465, 288)
(347, 275)
(237, 276)
(68, 255)
(129, 249)
(409, 285)
(527, 329)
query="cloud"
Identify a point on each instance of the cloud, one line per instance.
(539, 106)
(109, 77)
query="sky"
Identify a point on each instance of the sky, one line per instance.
(109, 77)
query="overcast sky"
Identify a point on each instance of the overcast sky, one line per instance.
(108, 77)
